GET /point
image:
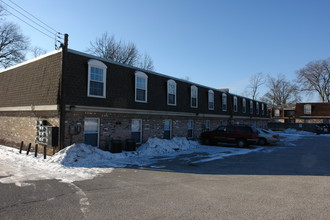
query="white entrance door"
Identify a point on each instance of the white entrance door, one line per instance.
(136, 130)
(91, 131)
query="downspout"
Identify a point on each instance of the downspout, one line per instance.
(62, 94)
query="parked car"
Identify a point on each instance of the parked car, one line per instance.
(241, 135)
(267, 136)
(322, 129)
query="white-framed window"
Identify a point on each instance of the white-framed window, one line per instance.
(251, 107)
(235, 107)
(257, 108)
(136, 130)
(307, 109)
(211, 100)
(97, 76)
(167, 129)
(224, 102)
(190, 127)
(171, 92)
(277, 113)
(243, 105)
(207, 125)
(193, 96)
(141, 86)
(91, 131)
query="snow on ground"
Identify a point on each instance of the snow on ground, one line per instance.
(80, 162)
(293, 134)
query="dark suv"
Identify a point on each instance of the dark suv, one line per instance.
(242, 135)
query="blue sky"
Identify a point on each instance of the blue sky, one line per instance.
(218, 43)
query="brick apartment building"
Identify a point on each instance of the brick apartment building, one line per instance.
(92, 100)
(309, 113)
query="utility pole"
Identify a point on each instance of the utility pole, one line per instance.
(62, 94)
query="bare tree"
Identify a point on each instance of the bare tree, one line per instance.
(13, 44)
(281, 91)
(37, 51)
(315, 77)
(146, 62)
(255, 82)
(107, 47)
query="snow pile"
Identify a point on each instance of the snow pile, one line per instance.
(80, 161)
(156, 146)
(82, 155)
(18, 168)
(290, 134)
(297, 132)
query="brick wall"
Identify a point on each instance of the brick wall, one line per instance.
(118, 126)
(21, 126)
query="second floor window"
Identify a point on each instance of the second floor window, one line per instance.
(235, 104)
(257, 108)
(141, 87)
(211, 100)
(194, 96)
(224, 102)
(277, 113)
(171, 92)
(307, 109)
(97, 72)
(251, 107)
(244, 105)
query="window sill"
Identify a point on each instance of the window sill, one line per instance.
(141, 101)
(95, 96)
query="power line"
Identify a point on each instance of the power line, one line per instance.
(28, 18)
(35, 17)
(29, 24)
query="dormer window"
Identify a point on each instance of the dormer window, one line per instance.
(97, 72)
(244, 106)
(141, 86)
(251, 107)
(224, 102)
(193, 97)
(257, 108)
(171, 92)
(277, 113)
(211, 100)
(307, 109)
(235, 104)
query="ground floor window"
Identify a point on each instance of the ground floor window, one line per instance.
(190, 129)
(91, 131)
(136, 130)
(167, 129)
(207, 125)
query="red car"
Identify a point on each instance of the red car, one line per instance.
(241, 135)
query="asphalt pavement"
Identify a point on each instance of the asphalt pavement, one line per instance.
(287, 183)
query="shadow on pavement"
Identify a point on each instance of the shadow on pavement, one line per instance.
(309, 156)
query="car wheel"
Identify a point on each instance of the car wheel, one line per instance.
(242, 143)
(262, 141)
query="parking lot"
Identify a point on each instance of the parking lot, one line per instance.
(278, 182)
